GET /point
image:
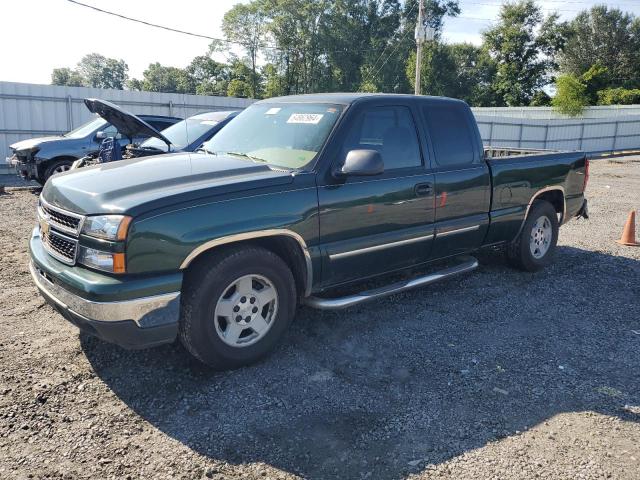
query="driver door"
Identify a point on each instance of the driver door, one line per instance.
(372, 225)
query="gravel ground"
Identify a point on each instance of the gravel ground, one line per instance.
(500, 374)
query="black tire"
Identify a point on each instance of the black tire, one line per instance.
(54, 168)
(519, 251)
(208, 281)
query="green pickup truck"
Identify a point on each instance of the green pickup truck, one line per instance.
(296, 198)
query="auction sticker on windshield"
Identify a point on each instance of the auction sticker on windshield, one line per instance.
(309, 118)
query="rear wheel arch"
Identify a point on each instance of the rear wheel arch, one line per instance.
(555, 196)
(289, 246)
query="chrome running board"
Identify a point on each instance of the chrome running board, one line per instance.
(468, 264)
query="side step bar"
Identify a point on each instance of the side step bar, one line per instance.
(468, 264)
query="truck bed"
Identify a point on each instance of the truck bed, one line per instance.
(491, 152)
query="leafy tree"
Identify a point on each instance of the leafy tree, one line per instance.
(274, 82)
(93, 70)
(102, 72)
(402, 44)
(460, 70)
(66, 76)
(158, 78)
(595, 79)
(134, 84)
(571, 95)
(619, 96)
(522, 44)
(540, 99)
(607, 37)
(245, 24)
(205, 76)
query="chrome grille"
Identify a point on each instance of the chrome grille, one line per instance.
(59, 231)
(59, 246)
(63, 220)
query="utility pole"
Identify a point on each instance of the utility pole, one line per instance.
(420, 34)
(423, 33)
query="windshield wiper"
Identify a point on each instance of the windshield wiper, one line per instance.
(202, 149)
(244, 155)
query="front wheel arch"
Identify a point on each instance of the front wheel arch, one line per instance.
(288, 245)
(50, 165)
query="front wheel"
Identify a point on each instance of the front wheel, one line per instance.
(236, 305)
(535, 246)
(59, 166)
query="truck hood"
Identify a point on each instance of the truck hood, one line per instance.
(34, 142)
(139, 185)
(125, 122)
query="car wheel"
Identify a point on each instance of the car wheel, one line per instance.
(236, 306)
(56, 167)
(535, 246)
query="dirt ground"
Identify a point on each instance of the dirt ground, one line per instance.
(498, 374)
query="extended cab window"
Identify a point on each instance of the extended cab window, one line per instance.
(389, 130)
(450, 134)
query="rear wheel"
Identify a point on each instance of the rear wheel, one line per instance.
(236, 305)
(535, 246)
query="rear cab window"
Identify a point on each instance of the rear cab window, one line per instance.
(450, 134)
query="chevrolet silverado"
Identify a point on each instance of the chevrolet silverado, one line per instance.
(297, 198)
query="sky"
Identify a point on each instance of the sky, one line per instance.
(40, 35)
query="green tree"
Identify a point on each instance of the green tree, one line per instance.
(606, 37)
(245, 24)
(619, 96)
(459, 70)
(522, 44)
(66, 76)
(387, 75)
(571, 95)
(158, 78)
(540, 99)
(205, 76)
(102, 72)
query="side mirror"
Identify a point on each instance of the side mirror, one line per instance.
(100, 135)
(362, 163)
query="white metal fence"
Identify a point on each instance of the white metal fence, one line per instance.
(28, 110)
(593, 135)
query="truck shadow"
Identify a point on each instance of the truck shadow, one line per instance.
(427, 374)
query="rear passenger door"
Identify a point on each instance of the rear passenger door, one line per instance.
(462, 179)
(372, 225)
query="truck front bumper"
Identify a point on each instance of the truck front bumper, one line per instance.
(133, 323)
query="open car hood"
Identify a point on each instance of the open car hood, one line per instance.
(127, 123)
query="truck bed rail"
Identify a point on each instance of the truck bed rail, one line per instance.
(498, 152)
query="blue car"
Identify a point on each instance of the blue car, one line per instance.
(184, 136)
(39, 158)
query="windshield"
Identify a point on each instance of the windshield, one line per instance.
(88, 128)
(287, 135)
(181, 134)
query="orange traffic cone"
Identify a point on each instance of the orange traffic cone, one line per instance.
(629, 232)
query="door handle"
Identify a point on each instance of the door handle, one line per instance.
(423, 189)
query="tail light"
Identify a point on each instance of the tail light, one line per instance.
(586, 174)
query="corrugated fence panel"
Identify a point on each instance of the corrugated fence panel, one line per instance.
(29, 110)
(594, 135)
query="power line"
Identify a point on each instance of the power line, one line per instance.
(387, 45)
(207, 37)
(155, 25)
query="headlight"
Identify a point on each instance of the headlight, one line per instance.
(109, 227)
(106, 261)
